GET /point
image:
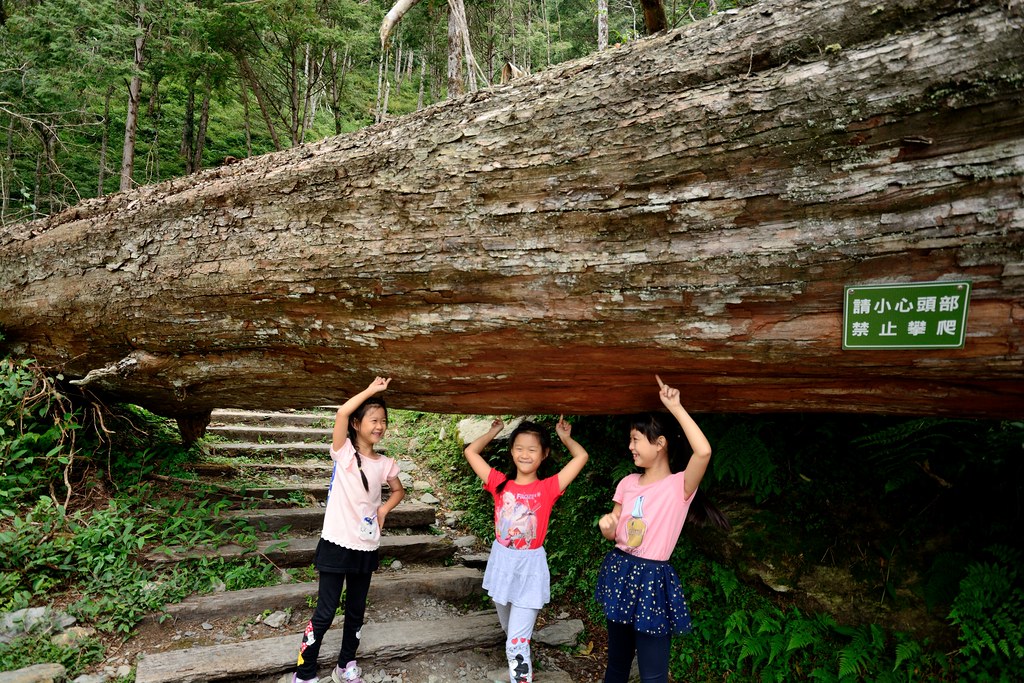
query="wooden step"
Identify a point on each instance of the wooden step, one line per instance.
(405, 514)
(262, 435)
(452, 584)
(380, 644)
(272, 419)
(299, 552)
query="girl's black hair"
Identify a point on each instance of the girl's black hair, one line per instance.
(652, 425)
(525, 427)
(357, 416)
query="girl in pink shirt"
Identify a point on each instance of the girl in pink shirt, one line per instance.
(347, 554)
(517, 576)
(638, 589)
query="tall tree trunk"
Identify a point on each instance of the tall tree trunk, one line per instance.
(549, 246)
(188, 133)
(244, 90)
(104, 141)
(204, 121)
(134, 94)
(456, 83)
(602, 25)
(250, 76)
(423, 79)
(654, 16)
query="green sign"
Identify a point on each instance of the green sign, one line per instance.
(919, 315)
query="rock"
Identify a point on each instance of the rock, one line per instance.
(277, 619)
(464, 541)
(406, 479)
(37, 673)
(472, 428)
(32, 620)
(408, 465)
(124, 671)
(560, 633)
(454, 517)
(207, 626)
(73, 635)
(429, 499)
(421, 485)
(396, 565)
(91, 678)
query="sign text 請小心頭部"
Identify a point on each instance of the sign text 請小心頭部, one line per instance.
(917, 315)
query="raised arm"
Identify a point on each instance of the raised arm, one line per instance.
(578, 453)
(348, 407)
(701, 456)
(474, 451)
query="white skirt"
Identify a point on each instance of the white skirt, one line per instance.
(518, 577)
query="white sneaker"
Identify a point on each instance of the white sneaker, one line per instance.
(350, 674)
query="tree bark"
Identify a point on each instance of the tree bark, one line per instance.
(691, 204)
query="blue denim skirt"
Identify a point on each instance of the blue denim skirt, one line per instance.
(645, 594)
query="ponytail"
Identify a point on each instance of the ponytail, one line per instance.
(357, 416)
(704, 513)
(652, 425)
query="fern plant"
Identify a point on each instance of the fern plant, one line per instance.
(989, 612)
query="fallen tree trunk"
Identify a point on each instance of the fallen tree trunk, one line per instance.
(691, 204)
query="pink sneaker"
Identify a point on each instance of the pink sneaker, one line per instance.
(350, 674)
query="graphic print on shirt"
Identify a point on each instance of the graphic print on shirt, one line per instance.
(636, 527)
(517, 520)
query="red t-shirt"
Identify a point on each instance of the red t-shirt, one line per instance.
(521, 513)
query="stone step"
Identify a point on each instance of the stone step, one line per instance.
(379, 644)
(405, 514)
(299, 552)
(452, 584)
(262, 435)
(234, 469)
(309, 418)
(296, 449)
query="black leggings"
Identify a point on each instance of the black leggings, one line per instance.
(652, 653)
(327, 601)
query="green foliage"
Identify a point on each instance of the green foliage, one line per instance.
(34, 430)
(75, 658)
(743, 459)
(989, 611)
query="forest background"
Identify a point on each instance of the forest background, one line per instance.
(102, 95)
(96, 96)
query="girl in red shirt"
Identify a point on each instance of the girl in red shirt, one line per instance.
(517, 576)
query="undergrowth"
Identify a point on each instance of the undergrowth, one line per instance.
(81, 515)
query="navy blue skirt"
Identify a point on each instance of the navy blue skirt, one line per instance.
(645, 594)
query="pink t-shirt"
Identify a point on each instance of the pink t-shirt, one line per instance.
(350, 519)
(521, 513)
(652, 515)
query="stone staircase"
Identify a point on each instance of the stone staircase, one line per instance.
(427, 619)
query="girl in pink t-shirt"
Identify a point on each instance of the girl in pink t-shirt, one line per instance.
(517, 576)
(638, 589)
(348, 551)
